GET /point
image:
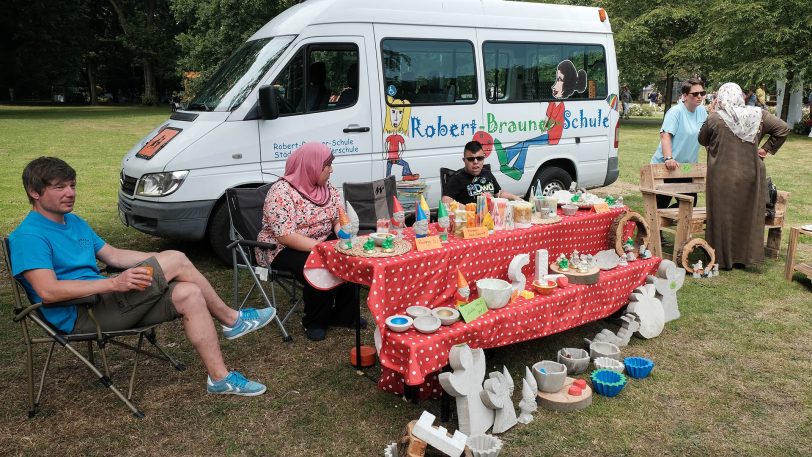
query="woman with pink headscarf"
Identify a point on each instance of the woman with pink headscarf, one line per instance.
(301, 211)
(736, 189)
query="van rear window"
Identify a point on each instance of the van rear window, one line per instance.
(429, 72)
(534, 72)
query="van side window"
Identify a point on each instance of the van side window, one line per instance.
(526, 72)
(319, 77)
(429, 72)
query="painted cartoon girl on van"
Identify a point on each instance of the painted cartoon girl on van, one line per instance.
(397, 123)
(568, 80)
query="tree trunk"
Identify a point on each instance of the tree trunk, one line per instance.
(787, 93)
(150, 91)
(91, 81)
(669, 85)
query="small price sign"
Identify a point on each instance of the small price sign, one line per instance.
(428, 243)
(601, 207)
(474, 232)
(473, 310)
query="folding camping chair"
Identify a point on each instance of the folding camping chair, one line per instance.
(29, 314)
(245, 215)
(371, 200)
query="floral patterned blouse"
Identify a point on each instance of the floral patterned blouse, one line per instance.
(286, 211)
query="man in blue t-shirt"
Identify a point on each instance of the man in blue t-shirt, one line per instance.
(54, 253)
(679, 133)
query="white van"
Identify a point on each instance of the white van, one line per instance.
(393, 87)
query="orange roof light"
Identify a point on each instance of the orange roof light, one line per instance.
(602, 14)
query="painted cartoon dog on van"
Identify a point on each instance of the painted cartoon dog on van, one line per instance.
(568, 80)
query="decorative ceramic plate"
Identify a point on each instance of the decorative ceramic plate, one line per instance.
(399, 247)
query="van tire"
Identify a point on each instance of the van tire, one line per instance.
(218, 235)
(552, 179)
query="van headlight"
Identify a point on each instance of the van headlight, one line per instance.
(160, 184)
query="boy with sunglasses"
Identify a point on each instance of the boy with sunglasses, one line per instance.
(474, 179)
(680, 131)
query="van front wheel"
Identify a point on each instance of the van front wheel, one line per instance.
(552, 179)
(218, 232)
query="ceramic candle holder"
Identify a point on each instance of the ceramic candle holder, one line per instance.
(427, 324)
(446, 315)
(399, 323)
(604, 349)
(416, 311)
(495, 292)
(576, 360)
(550, 376)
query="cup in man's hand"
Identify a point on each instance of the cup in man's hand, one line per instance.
(149, 272)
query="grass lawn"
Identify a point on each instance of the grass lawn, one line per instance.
(731, 374)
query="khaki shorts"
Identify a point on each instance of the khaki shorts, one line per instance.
(136, 308)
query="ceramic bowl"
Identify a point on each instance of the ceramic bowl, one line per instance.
(569, 210)
(446, 315)
(607, 382)
(607, 363)
(552, 378)
(398, 323)
(379, 237)
(604, 349)
(427, 324)
(577, 362)
(495, 292)
(416, 311)
(638, 367)
(544, 287)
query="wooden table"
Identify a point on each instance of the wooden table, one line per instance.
(791, 267)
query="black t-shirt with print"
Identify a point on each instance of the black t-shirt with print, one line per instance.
(465, 188)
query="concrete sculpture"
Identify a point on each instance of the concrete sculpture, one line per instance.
(465, 384)
(496, 396)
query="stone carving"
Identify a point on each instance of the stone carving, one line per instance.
(528, 405)
(465, 383)
(496, 396)
(515, 272)
(668, 281)
(630, 325)
(648, 309)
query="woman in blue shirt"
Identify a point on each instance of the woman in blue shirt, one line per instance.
(679, 132)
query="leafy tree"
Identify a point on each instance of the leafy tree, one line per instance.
(213, 29)
(148, 29)
(42, 42)
(752, 41)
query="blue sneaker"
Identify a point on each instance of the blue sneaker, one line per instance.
(250, 319)
(235, 384)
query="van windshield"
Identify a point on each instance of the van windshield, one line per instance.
(239, 74)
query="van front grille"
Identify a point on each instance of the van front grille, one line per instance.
(128, 184)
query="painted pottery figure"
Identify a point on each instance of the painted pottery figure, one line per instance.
(465, 383)
(369, 246)
(387, 245)
(421, 224)
(463, 290)
(354, 223)
(398, 218)
(563, 263)
(443, 221)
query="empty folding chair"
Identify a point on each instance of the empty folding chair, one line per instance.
(371, 200)
(29, 314)
(245, 213)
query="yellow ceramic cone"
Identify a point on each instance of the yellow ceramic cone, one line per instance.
(424, 204)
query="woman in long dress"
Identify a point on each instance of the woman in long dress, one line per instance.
(737, 179)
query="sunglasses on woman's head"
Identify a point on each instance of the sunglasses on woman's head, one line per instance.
(698, 94)
(475, 158)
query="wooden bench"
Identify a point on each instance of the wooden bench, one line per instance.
(685, 221)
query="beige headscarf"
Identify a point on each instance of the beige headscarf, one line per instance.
(744, 121)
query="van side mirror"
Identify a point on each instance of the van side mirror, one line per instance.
(268, 107)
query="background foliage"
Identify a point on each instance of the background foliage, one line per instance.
(144, 47)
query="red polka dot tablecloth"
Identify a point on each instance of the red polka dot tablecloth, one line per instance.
(429, 279)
